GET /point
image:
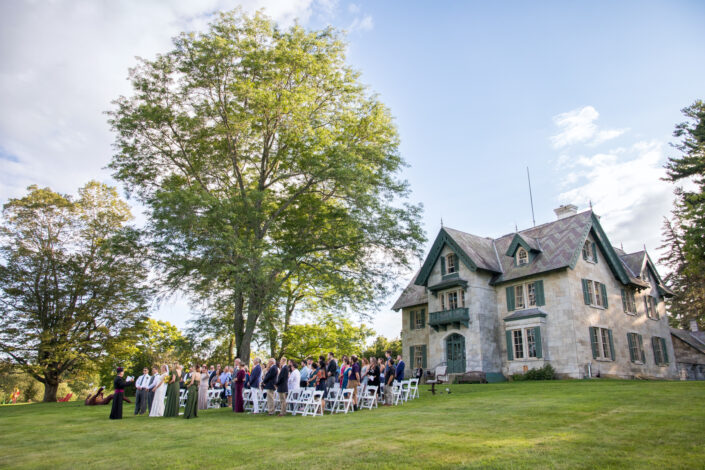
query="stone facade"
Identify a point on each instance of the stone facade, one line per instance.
(559, 323)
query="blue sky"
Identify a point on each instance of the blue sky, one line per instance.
(586, 94)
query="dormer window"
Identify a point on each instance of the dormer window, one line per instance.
(451, 264)
(522, 257)
(589, 252)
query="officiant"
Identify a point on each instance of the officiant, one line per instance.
(119, 385)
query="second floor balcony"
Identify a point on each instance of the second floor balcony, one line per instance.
(454, 318)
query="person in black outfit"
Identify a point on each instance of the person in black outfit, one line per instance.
(283, 385)
(119, 385)
(269, 384)
(373, 373)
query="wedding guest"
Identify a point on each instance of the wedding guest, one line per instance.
(211, 373)
(239, 381)
(294, 382)
(203, 389)
(363, 373)
(389, 385)
(345, 371)
(269, 384)
(313, 376)
(141, 395)
(254, 382)
(283, 386)
(373, 374)
(119, 384)
(247, 376)
(331, 372)
(171, 407)
(226, 382)
(399, 373)
(191, 409)
(305, 373)
(354, 380)
(159, 392)
(216, 376)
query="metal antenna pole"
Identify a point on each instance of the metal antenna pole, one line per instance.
(531, 197)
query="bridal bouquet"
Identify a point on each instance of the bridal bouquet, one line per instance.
(167, 378)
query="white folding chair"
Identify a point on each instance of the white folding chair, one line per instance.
(414, 388)
(182, 397)
(299, 405)
(332, 400)
(262, 398)
(246, 399)
(369, 399)
(405, 390)
(213, 398)
(291, 398)
(397, 394)
(313, 406)
(345, 401)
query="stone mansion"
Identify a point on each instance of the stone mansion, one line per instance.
(557, 294)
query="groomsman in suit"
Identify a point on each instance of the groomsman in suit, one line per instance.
(283, 385)
(142, 392)
(150, 388)
(255, 376)
(399, 373)
(269, 384)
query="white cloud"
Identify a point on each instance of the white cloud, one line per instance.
(578, 126)
(626, 189)
(361, 24)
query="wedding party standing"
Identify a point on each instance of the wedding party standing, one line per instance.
(159, 391)
(203, 389)
(171, 408)
(191, 409)
(119, 385)
(141, 394)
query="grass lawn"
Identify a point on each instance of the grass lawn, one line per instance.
(561, 424)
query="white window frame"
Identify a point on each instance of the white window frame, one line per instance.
(522, 257)
(524, 343)
(588, 254)
(418, 325)
(651, 307)
(604, 344)
(595, 293)
(450, 264)
(446, 296)
(631, 302)
(523, 292)
(639, 348)
(417, 360)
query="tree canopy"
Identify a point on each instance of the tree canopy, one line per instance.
(262, 160)
(72, 276)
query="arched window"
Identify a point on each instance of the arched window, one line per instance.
(522, 257)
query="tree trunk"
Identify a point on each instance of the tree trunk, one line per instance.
(51, 387)
(231, 350)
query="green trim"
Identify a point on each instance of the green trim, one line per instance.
(537, 338)
(515, 280)
(442, 239)
(510, 298)
(609, 334)
(453, 318)
(517, 241)
(608, 252)
(449, 283)
(540, 297)
(533, 315)
(510, 346)
(593, 341)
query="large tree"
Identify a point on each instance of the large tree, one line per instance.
(258, 151)
(72, 276)
(685, 232)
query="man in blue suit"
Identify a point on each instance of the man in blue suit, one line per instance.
(253, 383)
(399, 373)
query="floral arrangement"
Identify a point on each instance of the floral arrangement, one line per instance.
(167, 378)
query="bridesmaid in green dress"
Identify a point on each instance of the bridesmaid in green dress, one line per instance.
(191, 410)
(171, 407)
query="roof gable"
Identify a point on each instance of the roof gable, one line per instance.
(529, 244)
(442, 239)
(603, 243)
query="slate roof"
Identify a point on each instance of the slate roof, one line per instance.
(480, 250)
(689, 338)
(412, 295)
(633, 261)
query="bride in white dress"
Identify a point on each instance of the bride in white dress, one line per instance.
(159, 393)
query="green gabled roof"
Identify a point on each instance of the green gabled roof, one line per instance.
(529, 244)
(442, 239)
(603, 243)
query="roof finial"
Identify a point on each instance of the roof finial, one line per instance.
(621, 244)
(441, 222)
(590, 204)
(516, 229)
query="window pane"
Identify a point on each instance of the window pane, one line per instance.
(606, 353)
(518, 344)
(598, 294)
(531, 294)
(591, 294)
(531, 342)
(519, 296)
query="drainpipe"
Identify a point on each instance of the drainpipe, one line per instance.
(589, 367)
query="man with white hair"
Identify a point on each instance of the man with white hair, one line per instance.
(254, 384)
(269, 383)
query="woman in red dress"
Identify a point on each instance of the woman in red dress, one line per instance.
(239, 385)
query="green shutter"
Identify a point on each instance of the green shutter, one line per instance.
(641, 348)
(593, 342)
(412, 364)
(423, 355)
(664, 349)
(510, 298)
(457, 264)
(411, 319)
(540, 299)
(657, 359)
(609, 334)
(604, 295)
(584, 254)
(537, 336)
(594, 252)
(422, 312)
(443, 265)
(510, 346)
(586, 294)
(630, 342)
(646, 307)
(624, 300)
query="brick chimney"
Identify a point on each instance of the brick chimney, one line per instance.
(565, 211)
(693, 325)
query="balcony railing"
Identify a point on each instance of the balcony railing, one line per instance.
(449, 318)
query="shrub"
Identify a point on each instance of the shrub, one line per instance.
(544, 373)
